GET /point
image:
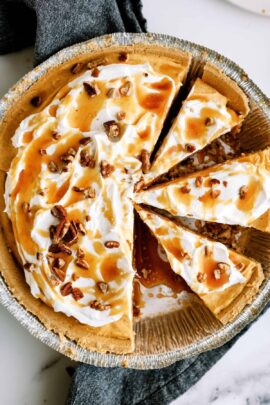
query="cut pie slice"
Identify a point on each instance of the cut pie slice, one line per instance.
(213, 107)
(225, 280)
(236, 192)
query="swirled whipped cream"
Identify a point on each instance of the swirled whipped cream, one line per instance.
(203, 117)
(235, 192)
(69, 188)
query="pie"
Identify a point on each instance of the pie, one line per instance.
(78, 153)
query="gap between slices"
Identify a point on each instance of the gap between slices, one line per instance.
(214, 106)
(225, 280)
(236, 192)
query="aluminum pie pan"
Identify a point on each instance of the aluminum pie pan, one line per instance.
(167, 357)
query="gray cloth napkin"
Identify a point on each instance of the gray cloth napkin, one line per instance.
(53, 25)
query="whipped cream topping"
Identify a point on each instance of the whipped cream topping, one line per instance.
(232, 193)
(67, 157)
(203, 117)
(206, 266)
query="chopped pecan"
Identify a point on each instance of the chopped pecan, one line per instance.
(243, 192)
(85, 140)
(91, 89)
(123, 56)
(87, 160)
(52, 166)
(87, 218)
(80, 228)
(126, 89)
(223, 266)
(103, 287)
(77, 294)
(42, 152)
(77, 68)
(58, 262)
(95, 72)
(121, 115)
(136, 311)
(185, 189)
(80, 253)
(82, 263)
(112, 129)
(36, 101)
(111, 244)
(61, 230)
(206, 250)
(112, 93)
(26, 207)
(52, 230)
(66, 289)
(56, 136)
(209, 121)
(97, 62)
(145, 159)
(39, 256)
(201, 277)
(89, 192)
(99, 305)
(198, 181)
(190, 148)
(106, 169)
(59, 212)
(217, 274)
(71, 236)
(225, 183)
(215, 193)
(29, 266)
(214, 181)
(60, 248)
(59, 273)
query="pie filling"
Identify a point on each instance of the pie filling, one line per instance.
(71, 188)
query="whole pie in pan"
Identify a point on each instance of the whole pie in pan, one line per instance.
(82, 150)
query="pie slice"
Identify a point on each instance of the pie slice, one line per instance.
(225, 280)
(235, 192)
(214, 106)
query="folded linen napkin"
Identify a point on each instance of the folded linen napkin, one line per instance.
(53, 25)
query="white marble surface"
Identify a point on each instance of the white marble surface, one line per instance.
(33, 374)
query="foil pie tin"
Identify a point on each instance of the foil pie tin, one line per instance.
(152, 351)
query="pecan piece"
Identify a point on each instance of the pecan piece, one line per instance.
(215, 193)
(97, 62)
(85, 140)
(77, 294)
(209, 121)
(112, 93)
(95, 72)
(243, 192)
(58, 262)
(82, 263)
(42, 152)
(185, 189)
(99, 305)
(225, 183)
(66, 289)
(198, 181)
(217, 274)
(201, 277)
(91, 89)
(87, 160)
(106, 169)
(126, 89)
(89, 192)
(59, 212)
(36, 101)
(77, 68)
(111, 244)
(56, 136)
(121, 115)
(80, 228)
(214, 181)
(52, 166)
(145, 159)
(80, 253)
(29, 266)
(87, 218)
(39, 256)
(103, 287)
(112, 129)
(190, 148)
(59, 273)
(61, 230)
(71, 236)
(60, 248)
(123, 56)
